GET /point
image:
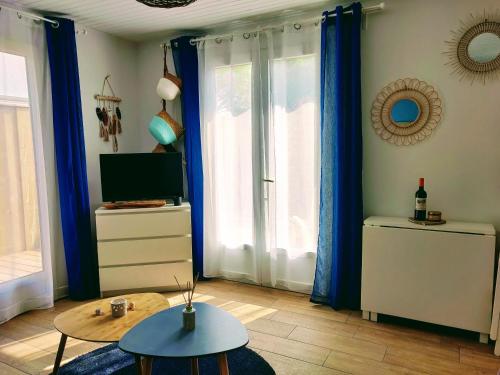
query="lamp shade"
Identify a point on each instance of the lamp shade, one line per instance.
(166, 3)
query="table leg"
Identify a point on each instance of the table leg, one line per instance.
(138, 364)
(144, 365)
(60, 351)
(147, 365)
(222, 361)
(194, 366)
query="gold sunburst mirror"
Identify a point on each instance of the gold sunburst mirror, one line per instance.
(406, 111)
(474, 49)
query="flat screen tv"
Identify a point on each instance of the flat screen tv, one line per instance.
(129, 177)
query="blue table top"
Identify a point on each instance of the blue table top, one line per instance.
(162, 335)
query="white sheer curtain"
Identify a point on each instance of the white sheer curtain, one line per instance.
(229, 114)
(259, 100)
(292, 158)
(25, 259)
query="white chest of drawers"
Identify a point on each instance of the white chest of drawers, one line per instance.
(438, 274)
(143, 248)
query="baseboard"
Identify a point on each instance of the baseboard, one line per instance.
(237, 276)
(61, 292)
(295, 286)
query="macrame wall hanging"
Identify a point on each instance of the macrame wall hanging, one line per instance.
(109, 114)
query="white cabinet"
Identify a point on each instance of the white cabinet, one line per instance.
(143, 248)
(438, 274)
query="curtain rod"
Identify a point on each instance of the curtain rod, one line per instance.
(365, 10)
(36, 17)
(297, 24)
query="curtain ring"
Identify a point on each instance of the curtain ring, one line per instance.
(297, 26)
(218, 40)
(56, 25)
(246, 35)
(192, 42)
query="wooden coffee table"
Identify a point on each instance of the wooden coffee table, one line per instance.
(81, 322)
(162, 336)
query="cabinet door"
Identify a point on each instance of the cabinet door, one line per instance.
(438, 277)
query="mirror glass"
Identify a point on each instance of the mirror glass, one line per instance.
(404, 112)
(484, 48)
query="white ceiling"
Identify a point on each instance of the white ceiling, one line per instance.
(133, 20)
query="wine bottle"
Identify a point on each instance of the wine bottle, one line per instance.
(420, 201)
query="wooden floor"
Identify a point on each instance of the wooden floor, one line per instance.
(293, 335)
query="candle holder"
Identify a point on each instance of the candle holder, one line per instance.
(118, 307)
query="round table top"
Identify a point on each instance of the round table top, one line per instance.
(162, 334)
(82, 323)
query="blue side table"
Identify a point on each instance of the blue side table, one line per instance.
(161, 335)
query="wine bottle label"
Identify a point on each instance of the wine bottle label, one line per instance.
(420, 204)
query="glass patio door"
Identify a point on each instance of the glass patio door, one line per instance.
(260, 129)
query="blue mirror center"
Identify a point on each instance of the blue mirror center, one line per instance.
(404, 112)
(484, 48)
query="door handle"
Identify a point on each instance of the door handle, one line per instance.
(267, 180)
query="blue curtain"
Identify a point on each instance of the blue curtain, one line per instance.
(81, 256)
(338, 267)
(186, 66)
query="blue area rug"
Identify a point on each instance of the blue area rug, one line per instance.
(111, 360)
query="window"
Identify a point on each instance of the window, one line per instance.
(259, 98)
(294, 143)
(20, 248)
(233, 155)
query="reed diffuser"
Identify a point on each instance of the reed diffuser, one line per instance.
(189, 312)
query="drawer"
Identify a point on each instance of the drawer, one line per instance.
(154, 250)
(146, 276)
(143, 224)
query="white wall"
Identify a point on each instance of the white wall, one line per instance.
(100, 54)
(461, 159)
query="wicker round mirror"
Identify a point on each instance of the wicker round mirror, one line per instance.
(474, 50)
(406, 111)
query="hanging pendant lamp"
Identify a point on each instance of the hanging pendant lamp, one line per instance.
(166, 3)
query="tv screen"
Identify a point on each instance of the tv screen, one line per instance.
(127, 177)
